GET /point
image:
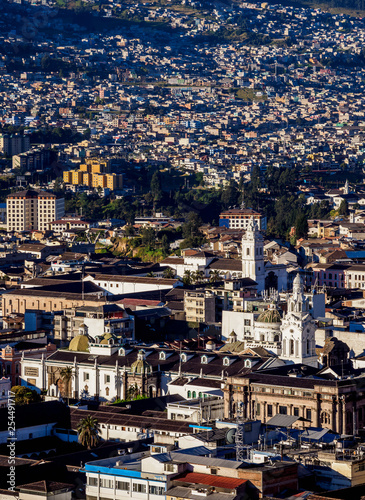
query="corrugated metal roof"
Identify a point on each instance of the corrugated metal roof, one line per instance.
(211, 480)
(315, 435)
(213, 462)
(283, 420)
(186, 492)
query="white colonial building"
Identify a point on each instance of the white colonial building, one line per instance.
(298, 329)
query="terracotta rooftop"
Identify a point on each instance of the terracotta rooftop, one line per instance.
(217, 481)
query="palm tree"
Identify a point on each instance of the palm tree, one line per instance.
(89, 432)
(132, 392)
(169, 273)
(215, 275)
(150, 275)
(198, 276)
(187, 278)
(66, 376)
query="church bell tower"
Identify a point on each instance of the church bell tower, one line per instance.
(253, 265)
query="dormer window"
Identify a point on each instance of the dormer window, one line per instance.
(204, 360)
(162, 356)
(183, 357)
(122, 351)
(248, 363)
(226, 361)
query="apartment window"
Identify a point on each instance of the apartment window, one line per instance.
(107, 379)
(123, 485)
(308, 414)
(169, 468)
(157, 490)
(93, 481)
(283, 410)
(269, 410)
(213, 470)
(247, 322)
(106, 483)
(86, 376)
(258, 409)
(139, 488)
(296, 412)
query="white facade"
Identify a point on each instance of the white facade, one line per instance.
(116, 285)
(32, 210)
(239, 322)
(253, 265)
(298, 329)
(127, 477)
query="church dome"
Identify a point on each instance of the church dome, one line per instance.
(269, 316)
(106, 338)
(140, 366)
(79, 343)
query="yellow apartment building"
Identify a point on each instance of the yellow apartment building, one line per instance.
(94, 174)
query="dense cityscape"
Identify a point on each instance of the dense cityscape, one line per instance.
(182, 250)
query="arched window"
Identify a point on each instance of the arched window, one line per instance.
(189, 394)
(200, 394)
(276, 338)
(162, 356)
(262, 337)
(225, 361)
(204, 360)
(107, 391)
(248, 251)
(194, 394)
(308, 346)
(291, 347)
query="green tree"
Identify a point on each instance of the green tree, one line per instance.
(187, 278)
(148, 237)
(169, 273)
(133, 392)
(215, 275)
(301, 226)
(198, 277)
(191, 233)
(155, 186)
(89, 432)
(344, 208)
(129, 230)
(23, 395)
(165, 244)
(66, 377)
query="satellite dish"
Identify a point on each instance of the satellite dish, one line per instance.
(230, 435)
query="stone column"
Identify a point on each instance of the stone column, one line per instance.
(334, 416)
(76, 379)
(117, 381)
(96, 375)
(318, 411)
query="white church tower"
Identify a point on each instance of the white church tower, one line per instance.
(298, 329)
(253, 265)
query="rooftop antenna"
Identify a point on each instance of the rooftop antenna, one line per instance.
(82, 281)
(240, 433)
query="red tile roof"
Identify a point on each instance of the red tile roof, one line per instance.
(217, 481)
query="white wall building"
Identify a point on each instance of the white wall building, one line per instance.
(298, 329)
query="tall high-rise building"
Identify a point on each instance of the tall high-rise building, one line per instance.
(14, 144)
(33, 210)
